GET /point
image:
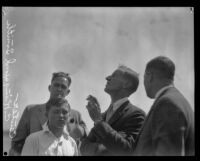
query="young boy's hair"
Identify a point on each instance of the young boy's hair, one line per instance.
(57, 102)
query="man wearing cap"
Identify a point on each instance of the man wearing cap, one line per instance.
(115, 130)
(33, 117)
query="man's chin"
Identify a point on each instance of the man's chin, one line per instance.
(58, 96)
(107, 90)
(61, 125)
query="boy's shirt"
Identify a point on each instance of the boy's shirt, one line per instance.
(45, 143)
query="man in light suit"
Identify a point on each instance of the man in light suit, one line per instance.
(169, 126)
(33, 117)
(115, 130)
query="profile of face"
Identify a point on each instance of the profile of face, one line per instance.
(147, 83)
(115, 82)
(57, 116)
(59, 87)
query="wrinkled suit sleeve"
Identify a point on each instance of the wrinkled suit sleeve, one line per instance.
(120, 142)
(89, 144)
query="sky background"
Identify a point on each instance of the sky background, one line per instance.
(90, 43)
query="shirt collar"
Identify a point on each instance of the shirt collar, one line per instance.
(119, 102)
(46, 130)
(162, 90)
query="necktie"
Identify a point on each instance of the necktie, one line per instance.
(109, 113)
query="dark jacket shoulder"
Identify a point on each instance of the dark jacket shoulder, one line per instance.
(132, 109)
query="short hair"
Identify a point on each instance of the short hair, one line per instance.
(61, 74)
(130, 75)
(58, 102)
(163, 65)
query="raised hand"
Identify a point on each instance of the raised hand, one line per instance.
(93, 108)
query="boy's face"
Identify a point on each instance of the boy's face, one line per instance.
(57, 116)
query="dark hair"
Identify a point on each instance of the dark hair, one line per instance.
(56, 102)
(164, 66)
(132, 76)
(61, 74)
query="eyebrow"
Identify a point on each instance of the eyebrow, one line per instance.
(59, 84)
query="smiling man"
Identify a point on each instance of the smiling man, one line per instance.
(53, 140)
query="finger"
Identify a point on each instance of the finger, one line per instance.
(92, 104)
(94, 111)
(94, 99)
(91, 98)
(88, 107)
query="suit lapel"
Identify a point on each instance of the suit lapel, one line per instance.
(118, 113)
(41, 114)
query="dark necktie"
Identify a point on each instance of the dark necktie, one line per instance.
(109, 112)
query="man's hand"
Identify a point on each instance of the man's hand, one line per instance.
(93, 108)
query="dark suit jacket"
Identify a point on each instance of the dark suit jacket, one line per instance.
(31, 121)
(117, 137)
(161, 133)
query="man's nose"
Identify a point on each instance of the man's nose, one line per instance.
(108, 78)
(62, 115)
(59, 88)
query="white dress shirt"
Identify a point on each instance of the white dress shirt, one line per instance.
(45, 143)
(114, 106)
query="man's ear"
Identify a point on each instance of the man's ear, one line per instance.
(68, 91)
(127, 84)
(151, 77)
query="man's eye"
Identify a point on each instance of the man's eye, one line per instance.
(57, 112)
(56, 85)
(64, 112)
(64, 87)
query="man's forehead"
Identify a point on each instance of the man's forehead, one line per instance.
(117, 71)
(60, 79)
(63, 106)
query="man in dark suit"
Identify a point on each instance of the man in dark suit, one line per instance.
(115, 130)
(169, 127)
(33, 117)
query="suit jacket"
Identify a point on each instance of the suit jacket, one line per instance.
(161, 133)
(32, 120)
(117, 137)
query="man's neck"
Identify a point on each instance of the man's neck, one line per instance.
(56, 131)
(117, 97)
